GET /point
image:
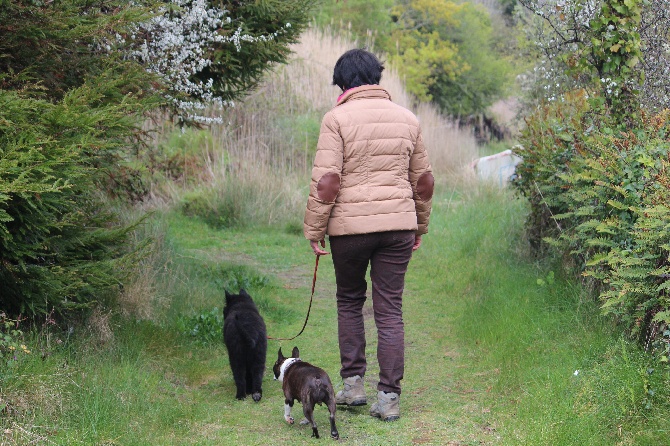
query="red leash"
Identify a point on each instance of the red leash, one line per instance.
(316, 267)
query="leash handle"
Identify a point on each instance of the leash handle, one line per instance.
(311, 298)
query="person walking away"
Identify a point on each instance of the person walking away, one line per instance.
(371, 193)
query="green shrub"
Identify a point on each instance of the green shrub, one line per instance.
(205, 328)
(60, 247)
(552, 138)
(69, 115)
(216, 208)
(601, 198)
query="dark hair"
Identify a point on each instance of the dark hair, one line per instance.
(357, 67)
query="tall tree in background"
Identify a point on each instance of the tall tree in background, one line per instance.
(487, 73)
(445, 50)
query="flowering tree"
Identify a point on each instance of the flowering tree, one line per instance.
(616, 50)
(209, 54)
(655, 34)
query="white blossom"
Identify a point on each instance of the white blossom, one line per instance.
(563, 29)
(175, 44)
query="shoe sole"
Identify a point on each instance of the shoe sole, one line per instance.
(354, 403)
(387, 419)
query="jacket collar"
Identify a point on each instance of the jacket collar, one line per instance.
(364, 92)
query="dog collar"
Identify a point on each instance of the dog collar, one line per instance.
(288, 363)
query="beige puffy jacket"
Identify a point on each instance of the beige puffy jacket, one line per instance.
(371, 171)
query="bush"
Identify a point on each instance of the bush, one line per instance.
(205, 328)
(60, 247)
(601, 198)
(218, 209)
(550, 141)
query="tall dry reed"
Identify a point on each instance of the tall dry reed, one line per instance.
(267, 141)
(304, 87)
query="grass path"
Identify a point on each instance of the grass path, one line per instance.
(440, 405)
(447, 394)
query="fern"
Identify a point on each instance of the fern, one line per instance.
(611, 194)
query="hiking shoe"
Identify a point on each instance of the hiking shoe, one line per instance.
(387, 406)
(353, 393)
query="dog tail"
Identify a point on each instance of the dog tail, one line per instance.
(249, 334)
(322, 389)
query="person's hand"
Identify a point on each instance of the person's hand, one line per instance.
(315, 247)
(417, 243)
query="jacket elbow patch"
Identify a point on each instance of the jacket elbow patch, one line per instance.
(425, 186)
(328, 187)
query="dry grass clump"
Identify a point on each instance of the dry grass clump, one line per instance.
(145, 296)
(19, 401)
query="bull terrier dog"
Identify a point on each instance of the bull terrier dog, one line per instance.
(309, 385)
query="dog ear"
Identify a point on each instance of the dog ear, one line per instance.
(295, 353)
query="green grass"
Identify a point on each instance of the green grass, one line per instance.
(491, 350)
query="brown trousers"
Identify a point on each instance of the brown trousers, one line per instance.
(388, 254)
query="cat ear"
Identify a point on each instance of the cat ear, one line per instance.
(243, 292)
(227, 295)
(295, 353)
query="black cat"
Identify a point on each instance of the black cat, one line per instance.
(245, 336)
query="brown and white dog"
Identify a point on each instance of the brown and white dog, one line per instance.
(309, 385)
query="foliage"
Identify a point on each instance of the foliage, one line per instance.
(508, 7)
(49, 48)
(445, 51)
(595, 162)
(237, 72)
(601, 198)
(205, 328)
(364, 21)
(487, 72)
(550, 142)
(75, 87)
(67, 117)
(60, 247)
(654, 32)
(422, 51)
(218, 210)
(11, 341)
